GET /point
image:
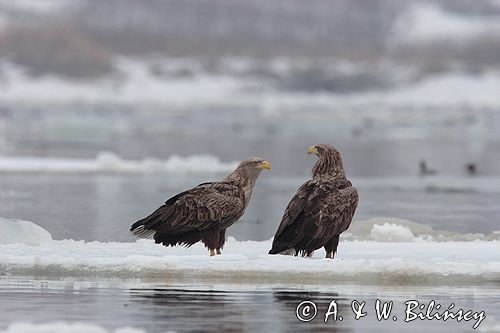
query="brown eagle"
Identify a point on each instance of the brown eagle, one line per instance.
(321, 209)
(203, 212)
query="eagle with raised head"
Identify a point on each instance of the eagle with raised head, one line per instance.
(204, 212)
(321, 209)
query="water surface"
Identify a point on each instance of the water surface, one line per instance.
(161, 306)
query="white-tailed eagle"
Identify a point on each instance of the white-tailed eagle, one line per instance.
(321, 210)
(204, 212)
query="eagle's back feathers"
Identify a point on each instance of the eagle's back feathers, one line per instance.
(187, 216)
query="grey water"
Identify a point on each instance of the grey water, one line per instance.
(160, 307)
(102, 207)
(386, 142)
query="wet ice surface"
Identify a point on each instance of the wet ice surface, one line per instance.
(160, 306)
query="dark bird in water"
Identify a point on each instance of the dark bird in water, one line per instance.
(425, 170)
(320, 211)
(471, 169)
(203, 212)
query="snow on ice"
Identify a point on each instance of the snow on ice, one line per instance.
(398, 259)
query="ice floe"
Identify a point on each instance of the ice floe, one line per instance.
(389, 232)
(396, 260)
(107, 162)
(18, 231)
(425, 21)
(65, 327)
(391, 229)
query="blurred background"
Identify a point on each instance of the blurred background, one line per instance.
(146, 98)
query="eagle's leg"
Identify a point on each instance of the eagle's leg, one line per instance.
(211, 240)
(310, 254)
(331, 247)
(222, 240)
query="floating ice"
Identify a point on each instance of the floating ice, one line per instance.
(388, 232)
(394, 259)
(427, 22)
(391, 229)
(360, 262)
(17, 231)
(107, 162)
(65, 327)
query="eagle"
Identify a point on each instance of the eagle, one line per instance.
(320, 211)
(203, 212)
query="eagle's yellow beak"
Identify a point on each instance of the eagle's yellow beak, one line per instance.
(265, 165)
(312, 150)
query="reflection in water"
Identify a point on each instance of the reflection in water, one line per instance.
(234, 311)
(190, 310)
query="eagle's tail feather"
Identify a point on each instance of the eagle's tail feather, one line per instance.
(281, 249)
(137, 229)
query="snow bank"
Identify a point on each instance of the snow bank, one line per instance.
(358, 262)
(107, 162)
(64, 327)
(17, 231)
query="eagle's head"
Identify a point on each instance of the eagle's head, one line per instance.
(329, 160)
(249, 170)
(254, 164)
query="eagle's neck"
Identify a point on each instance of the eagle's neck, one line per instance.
(245, 179)
(329, 165)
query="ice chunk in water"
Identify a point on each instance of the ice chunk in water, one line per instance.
(63, 327)
(389, 232)
(18, 231)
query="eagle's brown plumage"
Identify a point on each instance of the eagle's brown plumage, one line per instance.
(203, 212)
(321, 209)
